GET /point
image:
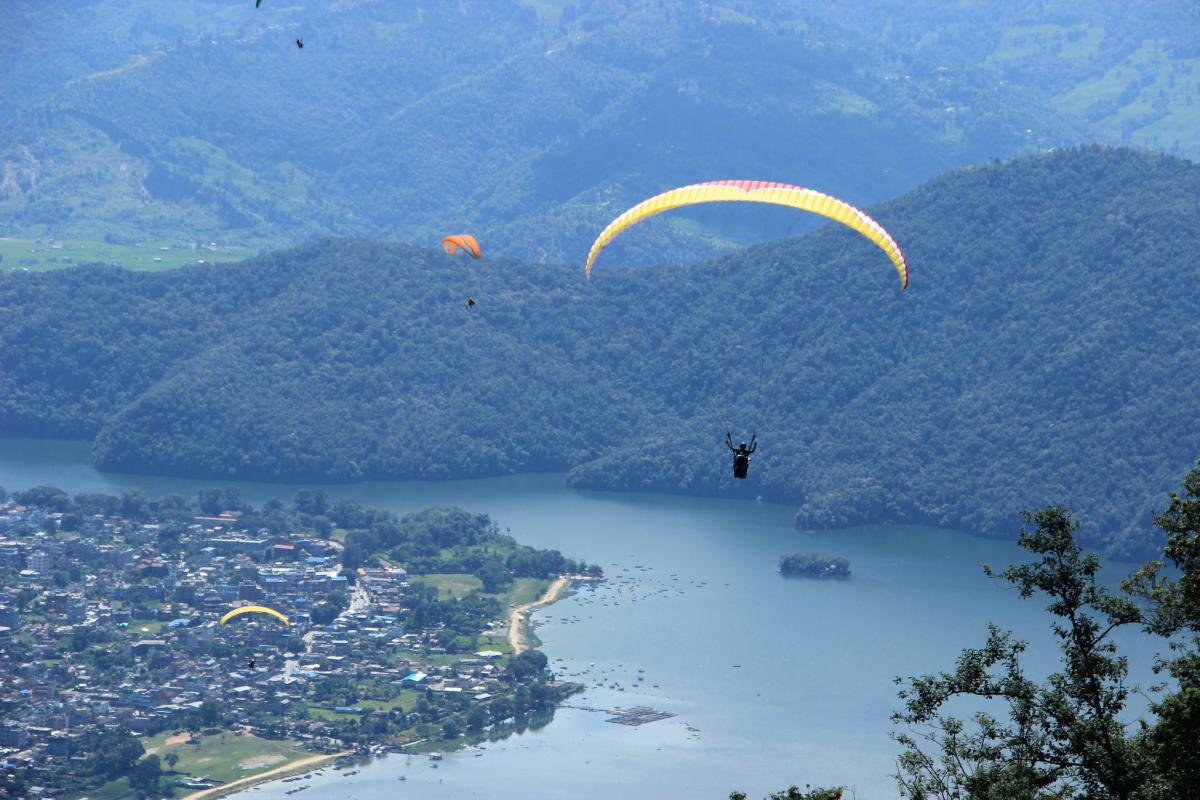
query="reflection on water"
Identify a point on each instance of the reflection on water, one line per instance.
(771, 681)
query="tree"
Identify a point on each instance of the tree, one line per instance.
(172, 758)
(146, 776)
(214, 501)
(494, 576)
(50, 497)
(115, 754)
(476, 719)
(1061, 738)
(210, 713)
(450, 729)
(1175, 615)
(134, 505)
(312, 502)
(795, 793)
(529, 664)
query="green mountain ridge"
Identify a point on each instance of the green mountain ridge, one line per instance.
(409, 122)
(531, 124)
(1043, 353)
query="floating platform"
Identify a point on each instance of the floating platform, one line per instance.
(638, 715)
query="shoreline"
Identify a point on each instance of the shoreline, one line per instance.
(520, 631)
(314, 762)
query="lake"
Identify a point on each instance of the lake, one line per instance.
(772, 681)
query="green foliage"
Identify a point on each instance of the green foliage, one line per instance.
(327, 610)
(1064, 737)
(1037, 358)
(115, 754)
(206, 124)
(814, 566)
(146, 776)
(796, 793)
(210, 713)
(527, 665)
(1174, 603)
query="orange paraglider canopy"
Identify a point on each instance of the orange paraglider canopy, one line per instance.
(463, 241)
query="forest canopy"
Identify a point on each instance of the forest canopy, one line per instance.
(1041, 355)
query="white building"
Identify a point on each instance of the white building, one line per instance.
(39, 562)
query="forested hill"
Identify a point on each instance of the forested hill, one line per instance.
(1045, 352)
(531, 123)
(527, 123)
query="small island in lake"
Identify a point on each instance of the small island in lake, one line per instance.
(811, 565)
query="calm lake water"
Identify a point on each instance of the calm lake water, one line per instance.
(772, 681)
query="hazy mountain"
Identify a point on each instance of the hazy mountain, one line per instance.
(528, 127)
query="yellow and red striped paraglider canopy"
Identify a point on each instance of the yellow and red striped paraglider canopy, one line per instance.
(782, 194)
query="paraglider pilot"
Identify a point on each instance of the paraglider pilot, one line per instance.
(741, 455)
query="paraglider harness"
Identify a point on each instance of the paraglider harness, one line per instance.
(741, 455)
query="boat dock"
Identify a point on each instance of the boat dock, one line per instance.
(638, 715)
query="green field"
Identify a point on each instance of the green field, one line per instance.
(496, 641)
(226, 756)
(329, 715)
(459, 584)
(114, 790)
(146, 628)
(526, 590)
(1149, 98)
(43, 254)
(449, 584)
(405, 701)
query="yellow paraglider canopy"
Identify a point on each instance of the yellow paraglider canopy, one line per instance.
(254, 610)
(782, 194)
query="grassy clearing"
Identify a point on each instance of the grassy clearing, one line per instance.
(146, 628)
(526, 590)
(496, 641)
(1147, 99)
(113, 790)
(1068, 42)
(328, 714)
(45, 254)
(226, 756)
(405, 701)
(449, 584)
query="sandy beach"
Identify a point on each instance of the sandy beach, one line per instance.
(519, 634)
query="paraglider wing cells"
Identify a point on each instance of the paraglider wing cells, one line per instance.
(237, 612)
(782, 194)
(461, 241)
